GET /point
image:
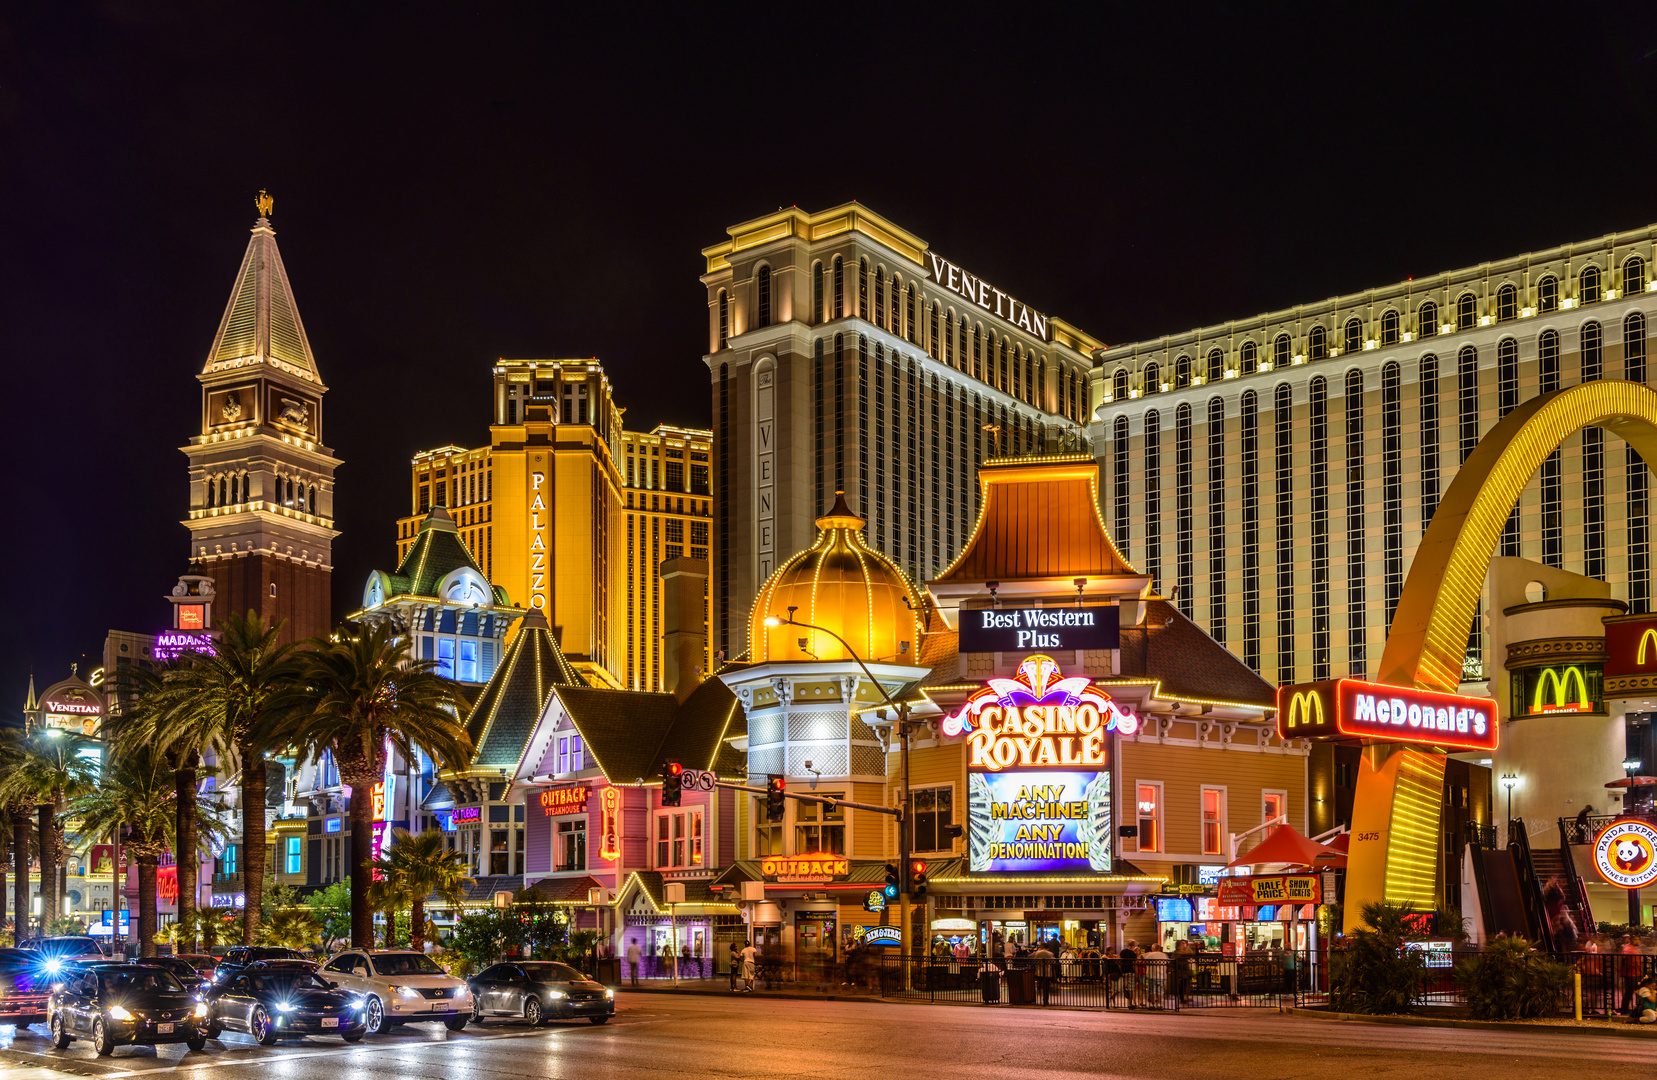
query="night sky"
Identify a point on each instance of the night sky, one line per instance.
(533, 182)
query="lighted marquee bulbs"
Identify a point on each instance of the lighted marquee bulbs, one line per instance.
(1038, 720)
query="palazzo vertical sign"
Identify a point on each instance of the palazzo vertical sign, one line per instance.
(538, 540)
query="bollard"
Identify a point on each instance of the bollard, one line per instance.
(1576, 979)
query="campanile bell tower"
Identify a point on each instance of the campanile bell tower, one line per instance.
(261, 480)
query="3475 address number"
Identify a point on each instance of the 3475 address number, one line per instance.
(1366, 836)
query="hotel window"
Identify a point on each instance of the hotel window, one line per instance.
(1280, 351)
(1633, 275)
(1317, 343)
(1352, 336)
(724, 318)
(1357, 622)
(1120, 495)
(1003, 384)
(1213, 821)
(1149, 380)
(863, 288)
(1249, 358)
(1216, 519)
(1119, 386)
(1184, 542)
(936, 332)
(1148, 810)
(1273, 805)
(1216, 365)
(1588, 286)
(949, 341)
(1283, 528)
(572, 844)
(1507, 303)
(1389, 327)
(1429, 439)
(1153, 497)
(1467, 311)
(817, 292)
(1249, 471)
(446, 657)
(839, 288)
(1426, 319)
(1182, 373)
(762, 312)
(934, 812)
(817, 427)
(1593, 463)
(1467, 398)
(466, 669)
(820, 828)
(977, 353)
(1318, 408)
(909, 313)
(1637, 479)
(880, 297)
(1392, 485)
(1547, 294)
(295, 855)
(767, 834)
(1507, 398)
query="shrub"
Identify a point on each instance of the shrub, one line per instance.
(1508, 981)
(1375, 973)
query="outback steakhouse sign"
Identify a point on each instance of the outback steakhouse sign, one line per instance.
(819, 866)
(569, 800)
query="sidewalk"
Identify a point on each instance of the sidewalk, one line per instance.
(1562, 1025)
(721, 986)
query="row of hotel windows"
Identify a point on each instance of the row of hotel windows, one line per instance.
(1391, 332)
(1358, 521)
(669, 475)
(641, 573)
(473, 482)
(231, 489)
(1148, 813)
(966, 347)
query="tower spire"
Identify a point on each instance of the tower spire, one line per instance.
(261, 322)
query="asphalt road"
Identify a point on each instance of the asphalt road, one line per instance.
(687, 1037)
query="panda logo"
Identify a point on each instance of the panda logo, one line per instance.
(1631, 856)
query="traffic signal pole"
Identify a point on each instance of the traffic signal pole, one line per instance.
(906, 875)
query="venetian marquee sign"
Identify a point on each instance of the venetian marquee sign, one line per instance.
(1006, 629)
(1354, 709)
(1038, 761)
(986, 296)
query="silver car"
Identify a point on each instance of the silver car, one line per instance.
(538, 990)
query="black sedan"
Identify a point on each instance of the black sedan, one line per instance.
(539, 990)
(187, 974)
(241, 957)
(272, 1003)
(127, 1004)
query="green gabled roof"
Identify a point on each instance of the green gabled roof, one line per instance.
(437, 551)
(631, 732)
(505, 714)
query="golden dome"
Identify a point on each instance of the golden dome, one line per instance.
(842, 585)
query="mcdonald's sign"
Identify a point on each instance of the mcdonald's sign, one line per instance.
(1631, 645)
(1559, 689)
(1352, 709)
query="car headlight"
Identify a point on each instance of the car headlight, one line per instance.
(119, 1012)
(463, 991)
(284, 1006)
(609, 993)
(556, 994)
(53, 966)
(407, 991)
(201, 1010)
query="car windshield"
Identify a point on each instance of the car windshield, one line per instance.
(70, 947)
(149, 981)
(553, 973)
(287, 982)
(406, 964)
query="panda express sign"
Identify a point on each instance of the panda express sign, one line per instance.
(1625, 853)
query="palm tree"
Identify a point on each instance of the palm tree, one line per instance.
(136, 789)
(426, 866)
(49, 770)
(291, 928)
(230, 698)
(387, 892)
(17, 808)
(358, 692)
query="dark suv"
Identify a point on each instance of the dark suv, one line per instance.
(239, 958)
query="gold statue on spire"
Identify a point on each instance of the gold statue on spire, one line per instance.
(264, 203)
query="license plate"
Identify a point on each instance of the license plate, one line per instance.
(330, 1021)
(164, 1029)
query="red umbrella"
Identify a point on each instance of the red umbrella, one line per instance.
(1286, 846)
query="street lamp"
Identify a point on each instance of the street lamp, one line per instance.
(1629, 765)
(1508, 780)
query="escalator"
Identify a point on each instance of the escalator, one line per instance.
(1529, 893)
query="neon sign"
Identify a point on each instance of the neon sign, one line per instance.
(537, 543)
(570, 800)
(170, 646)
(1560, 699)
(816, 866)
(609, 801)
(1625, 853)
(468, 813)
(1354, 709)
(1038, 720)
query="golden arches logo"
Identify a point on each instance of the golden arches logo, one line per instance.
(1650, 636)
(1305, 709)
(1428, 638)
(1560, 682)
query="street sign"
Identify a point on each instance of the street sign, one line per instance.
(697, 780)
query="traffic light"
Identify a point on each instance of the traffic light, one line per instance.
(672, 774)
(891, 887)
(774, 797)
(917, 879)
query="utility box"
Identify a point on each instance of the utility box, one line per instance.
(753, 890)
(673, 892)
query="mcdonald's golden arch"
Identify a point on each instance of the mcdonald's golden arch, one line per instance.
(1561, 689)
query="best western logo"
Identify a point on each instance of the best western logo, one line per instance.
(1353, 709)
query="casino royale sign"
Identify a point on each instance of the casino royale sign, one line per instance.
(1353, 709)
(1060, 629)
(1038, 720)
(986, 296)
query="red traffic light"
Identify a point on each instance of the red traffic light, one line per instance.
(918, 866)
(675, 768)
(778, 783)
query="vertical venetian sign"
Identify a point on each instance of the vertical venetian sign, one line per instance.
(765, 486)
(538, 517)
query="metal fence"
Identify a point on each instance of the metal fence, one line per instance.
(1196, 982)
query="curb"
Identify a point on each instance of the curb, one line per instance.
(771, 995)
(871, 999)
(1628, 1032)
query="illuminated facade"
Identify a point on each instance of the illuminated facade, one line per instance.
(1280, 471)
(669, 515)
(261, 514)
(844, 354)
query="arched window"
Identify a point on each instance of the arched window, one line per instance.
(936, 333)
(1249, 483)
(1588, 285)
(909, 313)
(1317, 343)
(290, 492)
(1182, 372)
(1467, 399)
(1547, 361)
(1392, 486)
(1547, 294)
(1073, 402)
(1003, 384)
(1184, 510)
(1029, 378)
(224, 490)
(817, 292)
(724, 318)
(1280, 351)
(863, 288)
(1352, 336)
(1633, 349)
(1426, 319)
(839, 288)
(978, 352)
(762, 306)
(1150, 381)
(1467, 311)
(1507, 303)
(1389, 327)
(1153, 496)
(1217, 546)
(1357, 619)
(1427, 400)
(1119, 385)
(961, 344)
(212, 490)
(949, 340)
(1633, 275)
(247, 491)
(880, 297)
(1249, 356)
(1216, 365)
(1038, 393)
(311, 501)
(1120, 472)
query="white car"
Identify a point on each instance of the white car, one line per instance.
(401, 986)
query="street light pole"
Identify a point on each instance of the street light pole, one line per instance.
(1508, 780)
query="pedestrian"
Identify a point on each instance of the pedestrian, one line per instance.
(634, 955)
(1110, 969)
(684, 961)
(1127, 963)
(1043, 956)
(1156, 978)
(736, 965)
(1182, 971)
(1644, 1008)
(750, 961)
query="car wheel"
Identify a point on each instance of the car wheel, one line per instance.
(260, 1027)
(374, 1016)
(60, 1033)
(456, 1023)
(532, 1011)
(599, 1019)
(356, 1037)
(477, 1013)
(197, 1043)
(215, 1029)
(101, 1038)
